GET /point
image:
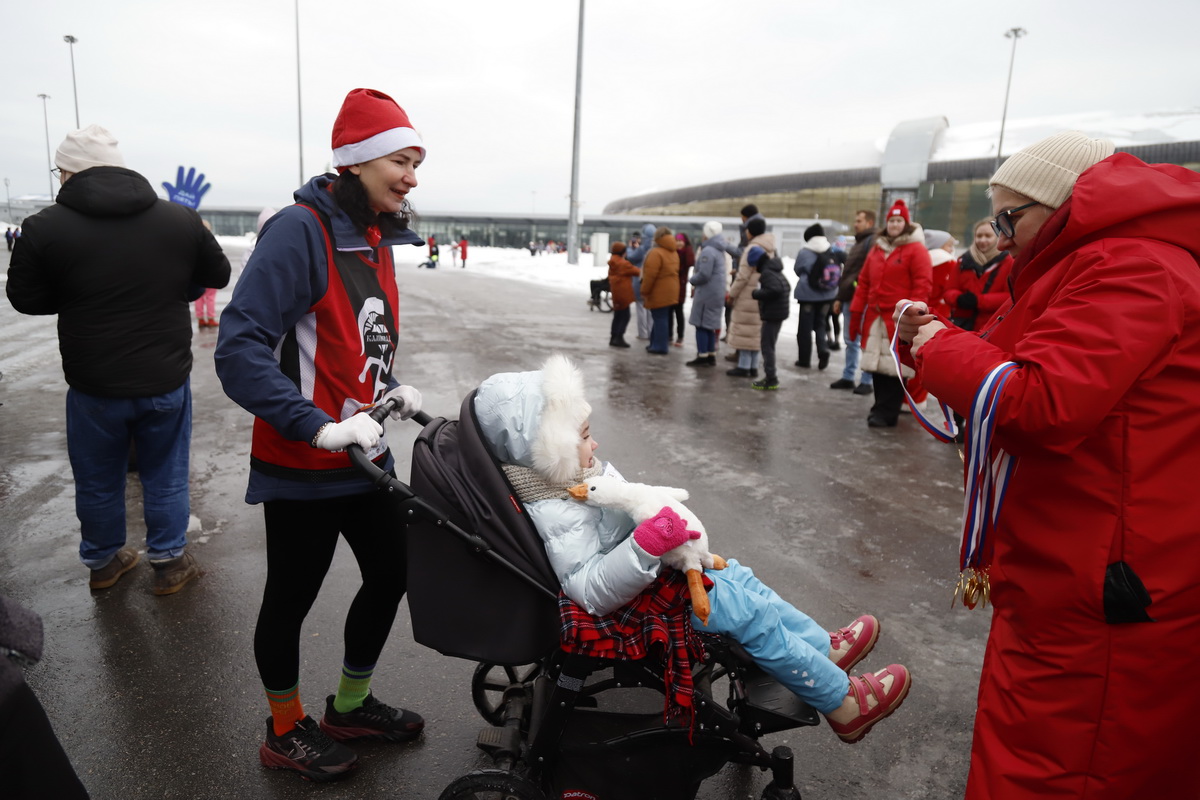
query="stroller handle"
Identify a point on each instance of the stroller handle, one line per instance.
(359, 458)
(380, 412)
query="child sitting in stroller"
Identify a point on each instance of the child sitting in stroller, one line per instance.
(536, 424)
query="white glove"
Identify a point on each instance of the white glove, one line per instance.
(360, 429)
(408, 401)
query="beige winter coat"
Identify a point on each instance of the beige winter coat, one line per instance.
(745, 326)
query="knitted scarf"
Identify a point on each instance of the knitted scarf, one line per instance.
(531, 486)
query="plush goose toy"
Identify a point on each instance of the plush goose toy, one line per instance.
(659, 513)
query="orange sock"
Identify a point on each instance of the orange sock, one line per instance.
(286, 709)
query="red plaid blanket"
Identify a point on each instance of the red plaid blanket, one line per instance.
(659, 620)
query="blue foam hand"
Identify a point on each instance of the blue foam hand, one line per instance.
(189, 190)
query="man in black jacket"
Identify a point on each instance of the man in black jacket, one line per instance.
(119, 266)
(864, 238)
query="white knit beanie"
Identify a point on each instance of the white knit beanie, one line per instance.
(1046, 172)
(88, 147)
(712, 228)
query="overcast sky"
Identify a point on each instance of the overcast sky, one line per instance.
(675, 92)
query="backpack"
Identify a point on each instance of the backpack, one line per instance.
(825, 274)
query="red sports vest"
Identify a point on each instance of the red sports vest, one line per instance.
(339, 355)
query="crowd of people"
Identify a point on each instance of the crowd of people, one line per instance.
(738, 296)
(1067, 336)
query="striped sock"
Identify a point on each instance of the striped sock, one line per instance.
(353, 687)
(286, 709)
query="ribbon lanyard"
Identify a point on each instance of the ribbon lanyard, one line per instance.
(986, 478)
(951, 430)
(986, 485)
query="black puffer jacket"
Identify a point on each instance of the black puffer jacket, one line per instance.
(117, 265)
(774, 293)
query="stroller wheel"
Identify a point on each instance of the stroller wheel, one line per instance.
(492, 784)
(491, 681)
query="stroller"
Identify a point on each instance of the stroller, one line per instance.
(601, 298)
(560, 725)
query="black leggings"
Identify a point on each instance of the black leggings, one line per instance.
(675, 323)
(301, 538)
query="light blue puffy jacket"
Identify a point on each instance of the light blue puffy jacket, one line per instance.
(591, 550)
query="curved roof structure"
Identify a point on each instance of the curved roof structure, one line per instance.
(931, 150)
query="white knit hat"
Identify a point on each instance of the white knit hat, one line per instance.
(712, 228)
(371, 125)
(88, 147)
(1046, 171)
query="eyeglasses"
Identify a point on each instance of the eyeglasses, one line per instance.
(1003, 223)
(56, 172)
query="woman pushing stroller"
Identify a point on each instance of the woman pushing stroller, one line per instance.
(536, 424)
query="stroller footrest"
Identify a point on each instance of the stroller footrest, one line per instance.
(499, 742)
(770, 706)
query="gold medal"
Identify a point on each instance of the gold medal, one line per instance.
(958, 588)
(971, 593)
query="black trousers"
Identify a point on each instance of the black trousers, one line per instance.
(770, 335)
(301, 538)
(619, 324)
(889, 394)
(812, 321)
(675, 323)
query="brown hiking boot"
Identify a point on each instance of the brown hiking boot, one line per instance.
(125, 559)
(172, 575)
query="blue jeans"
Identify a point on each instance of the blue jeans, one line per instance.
(660, 337)
(747, 359)
(853, 349)
(784, 641)
(99, 431)
(706, 342)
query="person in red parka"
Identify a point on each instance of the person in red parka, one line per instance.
(981, 281)
(1087, 688)
(462, 251)
(897, 266)
(620, 284)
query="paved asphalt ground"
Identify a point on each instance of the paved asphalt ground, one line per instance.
(159, 697)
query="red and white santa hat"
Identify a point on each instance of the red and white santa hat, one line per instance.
(369, 126)
(899, 209)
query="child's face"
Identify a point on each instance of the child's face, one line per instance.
(587, 446)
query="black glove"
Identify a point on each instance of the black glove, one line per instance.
(968, 300)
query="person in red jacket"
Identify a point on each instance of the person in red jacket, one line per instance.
(462, 251)
(1087, 686)
(897, 266)
(981, 281)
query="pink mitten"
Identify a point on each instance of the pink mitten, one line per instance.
(665, 531)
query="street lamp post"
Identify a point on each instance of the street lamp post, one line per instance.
(299, 107)
(8, 200)
(49, 163)
(1014, 34)
(573, 221)
(71, 40)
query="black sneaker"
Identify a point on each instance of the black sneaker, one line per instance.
(766, 384)
(864, 388)
(308, 751)
(371, 720)
(842, 383)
